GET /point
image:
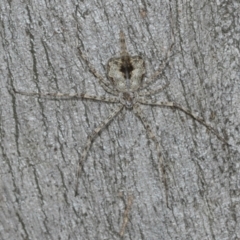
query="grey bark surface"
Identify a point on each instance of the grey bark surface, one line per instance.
(42, 140)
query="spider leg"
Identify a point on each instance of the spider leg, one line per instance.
(137, 110)
(101, 98)
(165, 62)
(159, 71)
(65, 96)
(153, 91)
(126, 215)
(186, 111)
(104, 84)
(123, 45)
(90, 139)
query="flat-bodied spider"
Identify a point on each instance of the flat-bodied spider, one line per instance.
(129, 89)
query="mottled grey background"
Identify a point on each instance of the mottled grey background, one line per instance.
(41, 140)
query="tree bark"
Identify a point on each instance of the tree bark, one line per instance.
(121, 189)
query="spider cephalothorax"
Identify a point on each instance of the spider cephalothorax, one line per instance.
(128, 99)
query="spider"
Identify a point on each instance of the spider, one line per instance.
(125, 82)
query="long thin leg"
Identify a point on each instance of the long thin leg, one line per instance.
(153, 91)
(66, 96)
(90, 141)
(166, 61)
(126, 215)
(123, 46)
(186, 111)
(159, 70)
(104, 84)
(137, 110)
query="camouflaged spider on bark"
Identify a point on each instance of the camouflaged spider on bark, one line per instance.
(130, 90)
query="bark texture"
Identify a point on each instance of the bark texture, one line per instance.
(121, 193)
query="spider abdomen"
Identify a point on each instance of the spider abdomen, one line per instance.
(126, 73)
